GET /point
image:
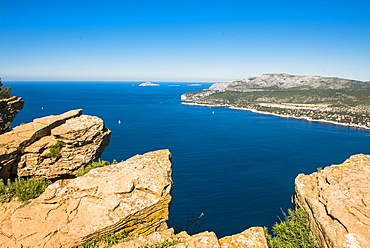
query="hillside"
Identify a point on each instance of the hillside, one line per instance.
(337, 100)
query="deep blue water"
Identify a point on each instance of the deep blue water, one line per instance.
(236, 167)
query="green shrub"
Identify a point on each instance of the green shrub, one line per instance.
(7, 191)
(90, 166)
(54, 150)
(105, 241)
(30, 188)
(23, 189)
(4, 91)
(163, 244)
(294, 232)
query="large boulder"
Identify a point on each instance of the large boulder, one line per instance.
(9, 108)
(25, 151)
(337, 200)
(132, 196)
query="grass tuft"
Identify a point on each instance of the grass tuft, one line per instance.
(105, 241)
(163, 244)
(90, 166)
(54, 150)
(23, 189)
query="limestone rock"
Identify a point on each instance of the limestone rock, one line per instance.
(337, 200)
(131, 196)
(253, 237)
(9, 108)
(24, 151)
(200, 240)
(151, 239)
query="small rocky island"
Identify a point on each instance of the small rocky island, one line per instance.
(335, 100)
(148, 84)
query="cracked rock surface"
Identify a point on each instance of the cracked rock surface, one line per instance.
(337, 200)
(131, 196)
(25, 150)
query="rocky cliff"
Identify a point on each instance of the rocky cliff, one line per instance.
(131, 196)
(53, 146)
(134, 196)
(9, 108)
(337, 200)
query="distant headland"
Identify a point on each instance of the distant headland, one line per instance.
(314, 98)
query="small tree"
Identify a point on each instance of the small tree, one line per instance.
(4, 91)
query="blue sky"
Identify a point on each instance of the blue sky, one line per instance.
(183, 40)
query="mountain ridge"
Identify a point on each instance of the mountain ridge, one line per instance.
(287, 81)
(335, 100)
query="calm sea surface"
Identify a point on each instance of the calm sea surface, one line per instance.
(236, 167)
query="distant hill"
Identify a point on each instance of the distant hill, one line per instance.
(285, 81)
(330, 99)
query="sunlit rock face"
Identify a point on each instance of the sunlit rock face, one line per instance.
(132, 196)
(337, 200)
(25, 151)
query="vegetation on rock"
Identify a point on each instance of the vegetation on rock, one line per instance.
(54, 150)
(92, 165)
(163, 244)
(293, 232)
(4, 91)
(22, 188)
(105, 241)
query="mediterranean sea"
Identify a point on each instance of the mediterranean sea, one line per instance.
(237, 167)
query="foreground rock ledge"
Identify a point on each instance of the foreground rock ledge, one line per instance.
(24, 150)
(132, 196)
(337, 200)
(253, 237)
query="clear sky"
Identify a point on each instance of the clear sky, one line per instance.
(182, 40)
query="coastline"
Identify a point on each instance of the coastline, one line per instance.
(284, 116)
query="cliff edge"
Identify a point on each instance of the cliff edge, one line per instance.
(131, 196)
(9, 108)
(53, 146)
(337, 200)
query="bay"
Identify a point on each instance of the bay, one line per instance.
(236, 167)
